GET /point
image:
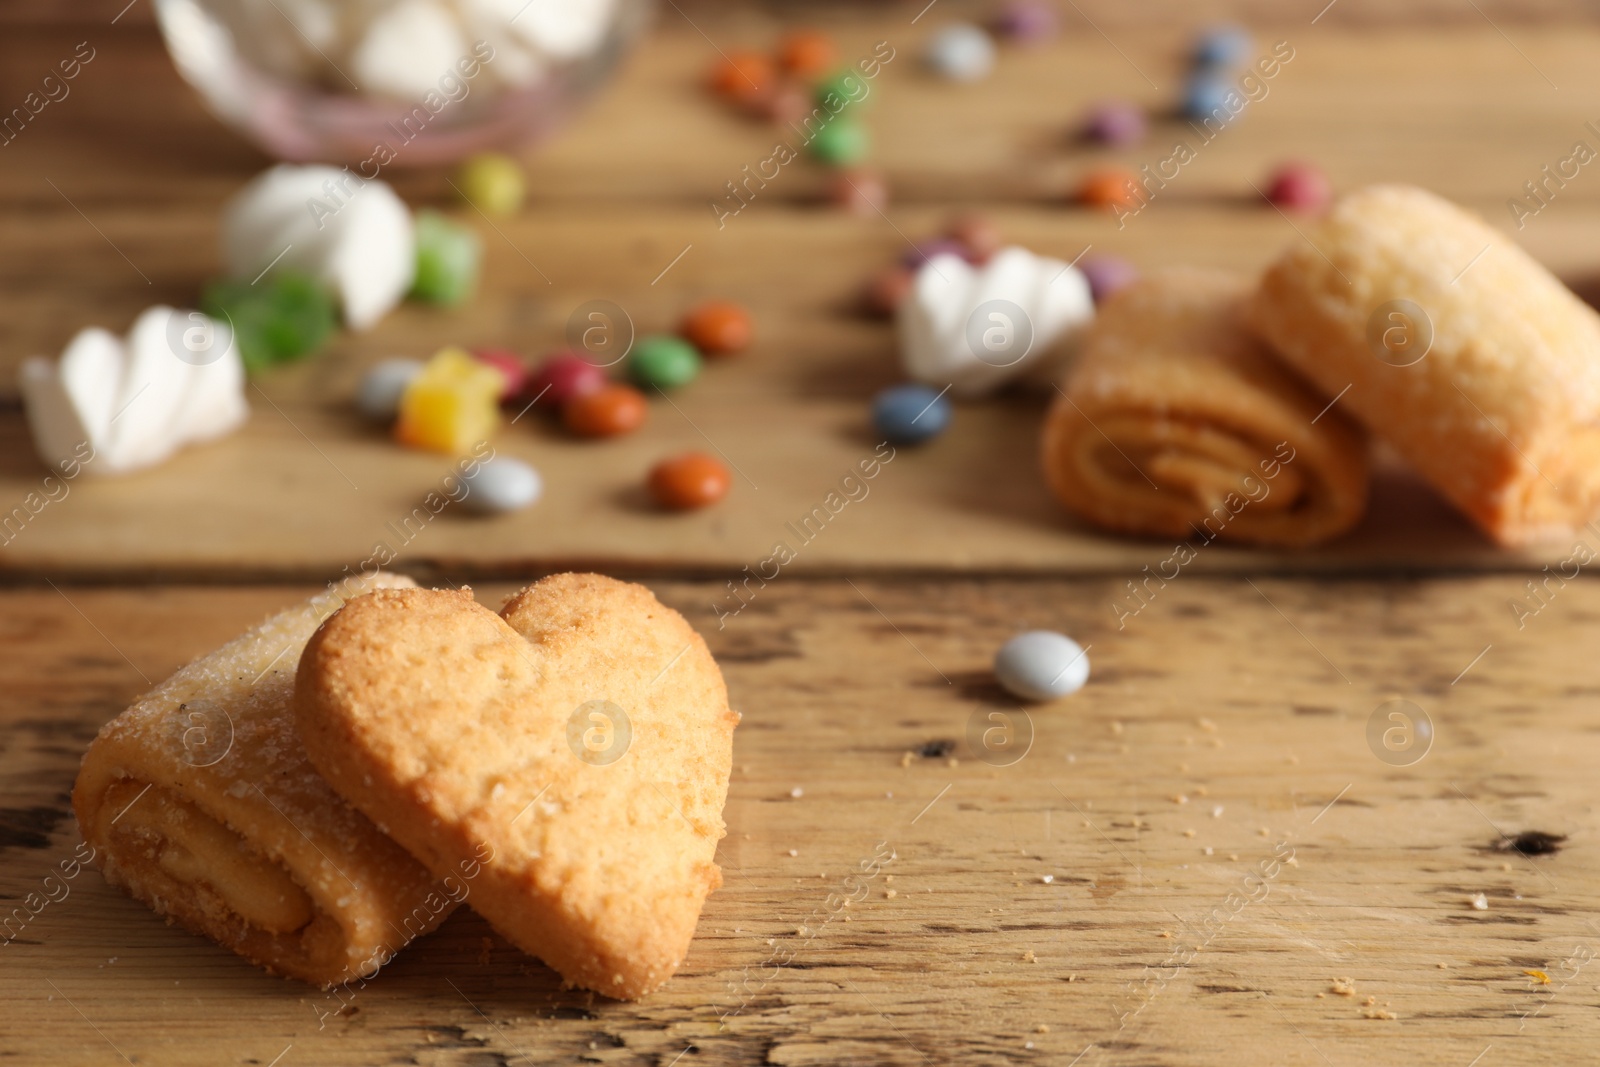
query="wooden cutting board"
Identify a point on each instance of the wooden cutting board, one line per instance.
(1195, 853)
(121, 191)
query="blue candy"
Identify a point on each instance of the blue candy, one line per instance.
(1206, 98)
(1223, 47)
(910, 414)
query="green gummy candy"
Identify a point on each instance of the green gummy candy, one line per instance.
(447, 260)
(276, 320)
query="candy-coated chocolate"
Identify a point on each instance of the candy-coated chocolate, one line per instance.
(499, 484)
(718, 328)
(1300, 187)
(806, 53)
(1111, 188)
(842, 141)
(860, 191)
(492, 182)
(1041, 665)
(609, 411)
(845, 89)
(1212, 97)
(378, 396)
(1107, 274)
(1222, 47)
(782, 102)
(960, 52)
(911, 414)
(1115, 122)
(562, 376)
(692, 480)
(1027, 21)
(742, 76)
(663, 362)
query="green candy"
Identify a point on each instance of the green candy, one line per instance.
(843, 141)
(492, 183)
(447, 260)
(277, 320)
(664, 362)
(842, 90)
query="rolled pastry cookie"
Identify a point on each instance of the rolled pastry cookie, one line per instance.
(1177, 422)
(1472, 360)
(199, 801)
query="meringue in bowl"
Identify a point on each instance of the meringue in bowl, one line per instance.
(375, 83)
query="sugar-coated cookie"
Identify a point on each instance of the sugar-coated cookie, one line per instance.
(199, 801)
(578, 744)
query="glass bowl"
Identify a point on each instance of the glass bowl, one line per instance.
(396, 82)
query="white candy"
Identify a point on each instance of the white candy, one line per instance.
(355, 236)
(961, 52)
(378, 396)
(178, 379)
(1041, 665)
(502, 484)
(976, 328)
(406, 50)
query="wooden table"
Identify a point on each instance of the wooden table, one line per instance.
(1193, 855)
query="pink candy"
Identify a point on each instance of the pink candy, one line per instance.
(1115, 122)
(562, 376)
(1300, 187)
(1107, 274)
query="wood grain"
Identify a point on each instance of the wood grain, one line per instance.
(1248, 699)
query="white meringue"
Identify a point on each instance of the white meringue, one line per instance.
(976, 328)
(177, 379)
(407, 49)
(353, 235)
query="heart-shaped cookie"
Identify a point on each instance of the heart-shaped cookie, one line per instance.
(577, 745)
(976, 328)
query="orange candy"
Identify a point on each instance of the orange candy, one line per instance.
(807, 53)
(691, 480)
(606, 412)
(1110, 189)
(718, 328)
(743, 76)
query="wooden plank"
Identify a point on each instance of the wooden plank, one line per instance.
(306, 489)
(1206, 695)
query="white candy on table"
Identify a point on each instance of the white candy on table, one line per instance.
(354, 236)
(407, 49)
(177, 380)
(961, 52)
(976, 328)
